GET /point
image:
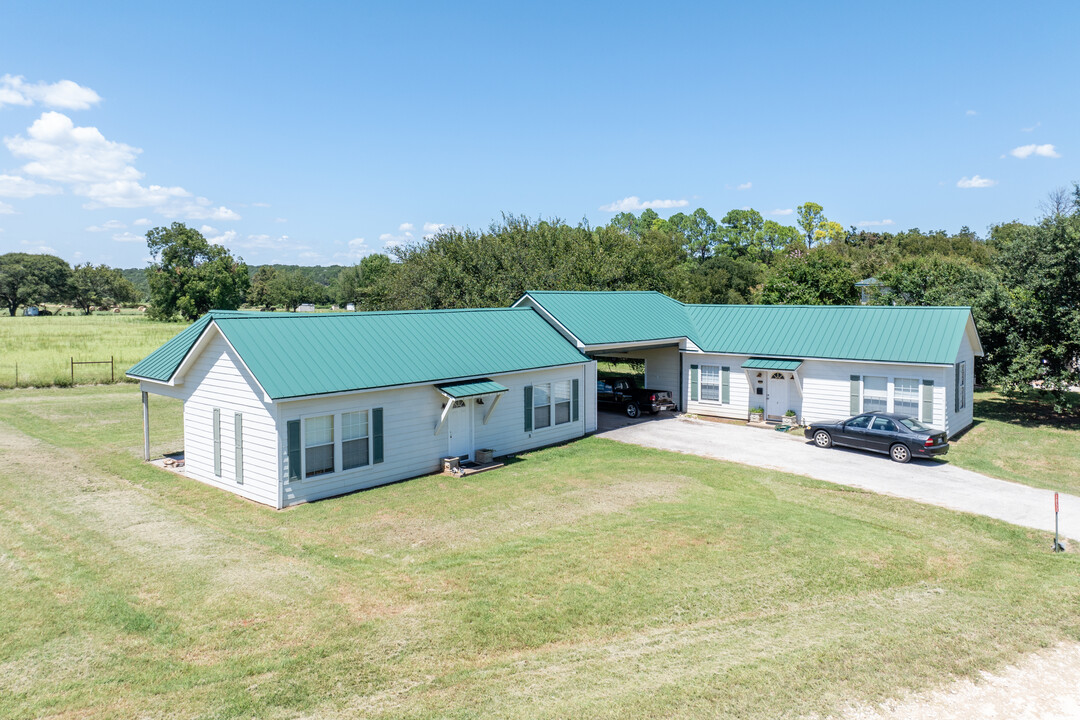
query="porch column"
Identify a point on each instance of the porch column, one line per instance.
(146, 425)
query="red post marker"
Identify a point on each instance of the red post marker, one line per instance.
(1055, 502)
(1058, 547)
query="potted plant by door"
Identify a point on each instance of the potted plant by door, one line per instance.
(757, 414)
(790, 418)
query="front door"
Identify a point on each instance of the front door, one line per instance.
(776, 400)
(459, 424)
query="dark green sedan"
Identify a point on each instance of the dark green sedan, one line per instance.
(899, 436)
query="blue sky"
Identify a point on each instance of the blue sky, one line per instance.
(315, 133)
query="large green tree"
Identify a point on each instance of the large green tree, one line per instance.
(189, 276)
(27, 279)
(816, 277)
(365, 283)
(92, 285)
(699, 230)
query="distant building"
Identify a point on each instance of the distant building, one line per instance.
(871, 287)
(31, 311)
(351, 307)
(305, 307)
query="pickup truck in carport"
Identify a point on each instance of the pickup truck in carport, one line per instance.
(623, 395)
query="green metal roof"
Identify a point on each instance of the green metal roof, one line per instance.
(295, 355)
(601, 318)
(902, 334)
(771, 364)
(472, 388)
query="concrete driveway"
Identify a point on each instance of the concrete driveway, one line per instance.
(922, 480)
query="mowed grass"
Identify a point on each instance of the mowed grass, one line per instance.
(589, 580)
(1023, 440)
(43, 346)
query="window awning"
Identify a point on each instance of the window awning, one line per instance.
(471, 388)
(772, 364)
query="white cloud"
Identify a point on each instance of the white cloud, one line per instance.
(265, 242)
(6, 209)
(744, 186)
(1025, 151)
(431, 228)
(14, 90)
(975, 182)
(782, 211)
(19, 187)
(127, 237)
(142, 222)
(875, 223)
(221, 239)
(1032, 128)
(970, 113)
(403, 227)
(260, 204)
(357, 250)
(102, 170)
(632, 203)
(110, 225)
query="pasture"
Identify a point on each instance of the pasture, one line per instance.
(43, 346)
(588, 580)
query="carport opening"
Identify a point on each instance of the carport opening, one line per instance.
(619, 366)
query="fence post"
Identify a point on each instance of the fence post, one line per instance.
(73, 370)
(112, 369)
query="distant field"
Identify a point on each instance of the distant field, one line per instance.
(591, 580)
(43, 346)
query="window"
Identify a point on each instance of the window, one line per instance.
(961, 385)
(906, 397)
(318, 445)
(542, 406)
(881, 423)
(860, 422)
(875, 394)
(354, 439)
(562, 402)
(603, 387)
(710, 382)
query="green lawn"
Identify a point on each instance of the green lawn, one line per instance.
(589, 580)
(1021, 440)
(43, 346)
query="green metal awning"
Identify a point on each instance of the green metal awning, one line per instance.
(772, 364)
(471, 388)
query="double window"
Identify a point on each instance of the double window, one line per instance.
(324, 444)
(551, 403)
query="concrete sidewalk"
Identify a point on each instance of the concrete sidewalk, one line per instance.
(925, 481)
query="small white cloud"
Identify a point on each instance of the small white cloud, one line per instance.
(357, 249)
(110, 225)
(310, 255)
(19, 187)
(280, 220)
(14, 90)
(744, 186)
(969, 113)
(260, 205)
(263, 242)
(405, 226)
(1026, 151)
(430, 227)
(128, 237)
(782, 211)
(142, 222)
(633, 203)
(875, 223)
(221, 239)
(975, 181)
(1032, 128)
(6, 209)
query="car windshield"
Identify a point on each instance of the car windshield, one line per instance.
(914, 425)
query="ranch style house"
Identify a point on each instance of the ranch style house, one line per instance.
(285, 408)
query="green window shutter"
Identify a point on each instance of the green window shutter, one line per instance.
(376, 435)
(927, 409)
(294, 449)
(956, 388)
(217, 442)
(575, 400)
(694, 372)
(528, 408)
(725, 385)
(854, 407)
(238, 435)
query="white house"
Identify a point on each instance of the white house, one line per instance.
(821, 362)
(283, 408)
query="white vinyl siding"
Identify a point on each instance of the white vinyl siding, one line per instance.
(875, 397)
(740, 389)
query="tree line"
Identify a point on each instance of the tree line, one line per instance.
(1022, 280)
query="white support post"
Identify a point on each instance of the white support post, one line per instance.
(798, 382)
(445, 412)
(146, 425)
(491, 408)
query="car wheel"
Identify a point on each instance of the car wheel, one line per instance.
(822, 439)
(900, 453)
(632, 410)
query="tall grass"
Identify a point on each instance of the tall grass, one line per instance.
(43, 347)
